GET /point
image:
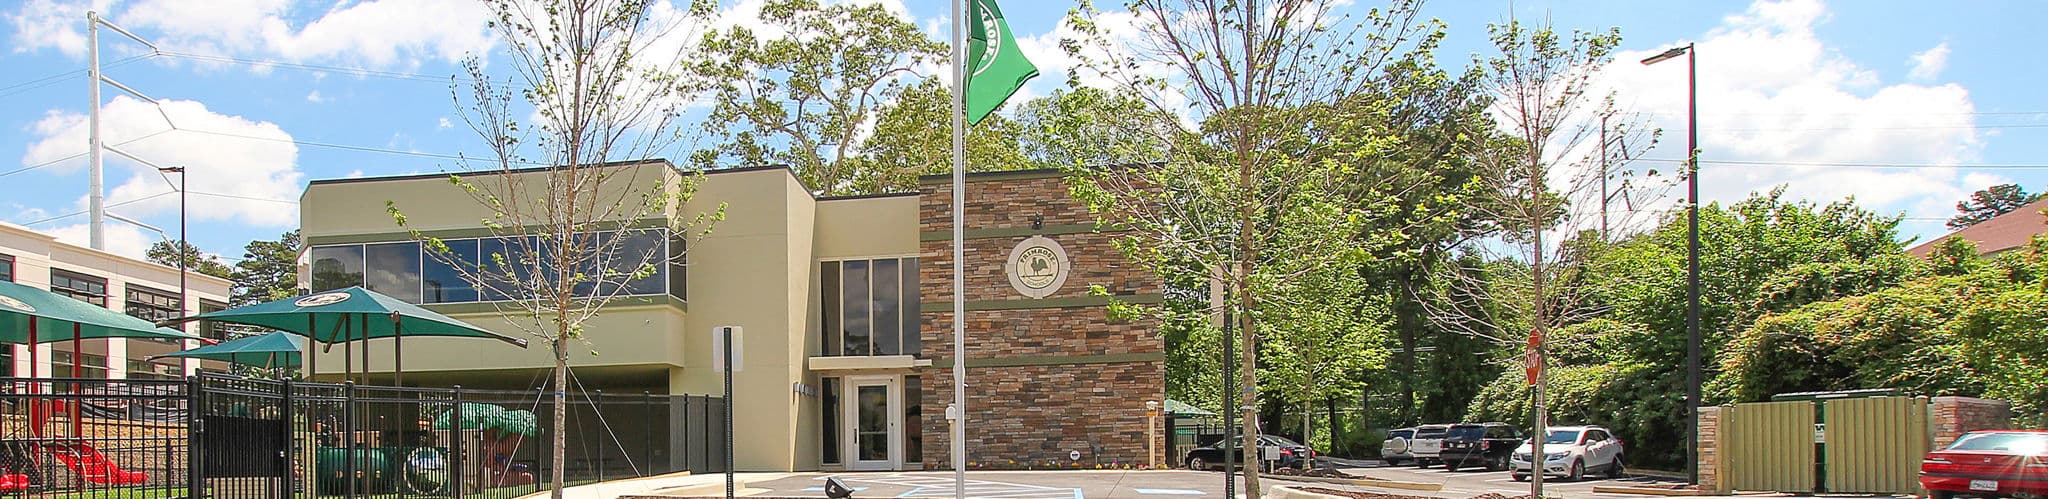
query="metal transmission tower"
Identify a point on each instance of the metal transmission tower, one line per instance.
(96, 203)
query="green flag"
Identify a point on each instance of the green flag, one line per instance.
(995, 66)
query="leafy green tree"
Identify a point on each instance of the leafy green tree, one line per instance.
(167, 253)
(268, 270)
(1990, 203)
(804, 91)
(905, 143)
(1088, 126)
(1246, 192)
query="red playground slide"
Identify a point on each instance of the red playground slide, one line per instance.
(89, 463)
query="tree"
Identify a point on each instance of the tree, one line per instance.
(1248, 194)
(1990, 203)
(1089, 127)
(164, 253)
(269, 270)
(605, 84)
(905, 144)
(806, 89)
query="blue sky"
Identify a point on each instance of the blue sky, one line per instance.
(1800, 93)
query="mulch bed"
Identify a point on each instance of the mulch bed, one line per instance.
(1375, 495)
(1319, 473)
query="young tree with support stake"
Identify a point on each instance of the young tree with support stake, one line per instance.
(1253, 187)
(573, 196)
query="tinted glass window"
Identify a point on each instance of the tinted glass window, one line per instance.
(1426, 433)
(888, 313)
(82, 287)
(1280, 441)
(1562, 437)
(1401, 434)
(441, 282)
(678, 266)
(912, 307)
(913, 419)
(828, 327)
(6, 268)
(393, 269)
(2018, 443)
(641, 250)
(1466, 432)
(1596, 436)
(828, 392)
(151, 304)
(854, 297)
(336, 267)
(500, 258)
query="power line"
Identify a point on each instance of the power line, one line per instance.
(79, 155)
(1855, 165)
(62, 76)
(348, 147)
(397, 75)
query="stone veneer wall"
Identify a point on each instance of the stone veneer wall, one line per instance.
(1046, 377)
(1710, 449)
(1954, 416)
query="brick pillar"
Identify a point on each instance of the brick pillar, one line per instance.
(1954, 416)
(1710, 450)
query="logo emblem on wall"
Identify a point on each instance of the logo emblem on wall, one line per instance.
(321, 299)
(12, 303)
(1038, 266)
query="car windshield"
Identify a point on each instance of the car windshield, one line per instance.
(1401, 434)
(1562, 437)
(1429, 433)
(1281, 441)
(2017, 443)
(1466, 432)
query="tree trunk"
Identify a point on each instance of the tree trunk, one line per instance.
(1307, 409)
(1408, 322)
(1248, 358)
(561, 439)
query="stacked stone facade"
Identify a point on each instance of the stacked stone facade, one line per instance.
(1954, 416)
(1049, 379)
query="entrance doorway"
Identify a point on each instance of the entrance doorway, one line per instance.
(872, 436)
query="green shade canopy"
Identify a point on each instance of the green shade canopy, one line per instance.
(54, 316)
(490, 417)
(269, 351)
(345, 315)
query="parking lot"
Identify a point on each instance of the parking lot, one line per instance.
(1467, 483)
(1148, 484)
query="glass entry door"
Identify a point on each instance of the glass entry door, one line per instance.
(874, 423)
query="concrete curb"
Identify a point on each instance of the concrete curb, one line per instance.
(1287, 492)
(1648, 491)
(1362, 482)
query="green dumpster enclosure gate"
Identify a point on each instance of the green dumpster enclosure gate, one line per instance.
(1826, 443)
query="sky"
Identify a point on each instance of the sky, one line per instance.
(1907, 106)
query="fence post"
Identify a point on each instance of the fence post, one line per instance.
(597, 407)
(195, 430)
(348, 438)
(285, 457)
(456, 440)
(647, 401)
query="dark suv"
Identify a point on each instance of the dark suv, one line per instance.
(1480, 444)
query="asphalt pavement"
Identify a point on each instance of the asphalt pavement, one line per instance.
(1468, 482)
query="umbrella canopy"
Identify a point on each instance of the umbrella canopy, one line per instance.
(351, 314)
(269, 351)
(54, 317)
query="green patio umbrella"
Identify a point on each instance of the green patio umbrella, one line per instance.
(268, 351)
(349, 315)
(28, 315)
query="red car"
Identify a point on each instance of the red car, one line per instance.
(1989, 464)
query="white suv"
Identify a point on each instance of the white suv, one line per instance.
(1427, 444)
(1571, 452)
(1395, 449)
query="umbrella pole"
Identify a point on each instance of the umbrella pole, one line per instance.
(348, 352)
(77, 359)
(34, 358)
(312, 352)
(397, 352)
(365, 327)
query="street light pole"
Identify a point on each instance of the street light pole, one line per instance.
(1692, 256)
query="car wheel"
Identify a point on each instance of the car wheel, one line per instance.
(1519, 477)
(1940, 494)
(1497, 464)
(1393, 462)
(1197, 464)
(1422, 463)
(1452, 465)
(1614, 470)
(1578, 471)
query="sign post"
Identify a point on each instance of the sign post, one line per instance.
(725, 339)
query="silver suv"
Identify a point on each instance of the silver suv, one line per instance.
(1571, 452)
(1428, 444)
(1395, 449)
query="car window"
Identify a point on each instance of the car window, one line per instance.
(1562, 437)
(1501, 432)
(1473, 432)
(2017, 443)
(1401, 434)
(1596, 436)
(1428, 433)
(1280, 441)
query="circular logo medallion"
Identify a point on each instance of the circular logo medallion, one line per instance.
(1038, 266)
(12, 303)
(321, 299)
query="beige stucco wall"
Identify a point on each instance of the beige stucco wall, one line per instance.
(36, 253)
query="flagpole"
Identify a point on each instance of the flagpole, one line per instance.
(959, 220)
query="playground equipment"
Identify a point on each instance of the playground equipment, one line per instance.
(72, 450)
(493, 434)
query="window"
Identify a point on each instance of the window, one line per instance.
(142, 369)
(95, 365)
(828, 389)
(393, 269)
(209, 329)
(869, 307)
(1595, 436)
(83, 287)
(337, 267)
(415, 273)
(153, 305)
(913, 419)
(7, 268)
(678, 266)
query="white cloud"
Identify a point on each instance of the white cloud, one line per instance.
(236, 174)
(1927, 65)
(376, 33)
(315, 97)
(1771, 92)
(444, 123)
(122, 239)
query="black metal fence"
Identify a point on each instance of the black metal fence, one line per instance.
(217, 436)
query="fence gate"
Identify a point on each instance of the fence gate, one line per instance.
(1874, 444)
(1769, 446)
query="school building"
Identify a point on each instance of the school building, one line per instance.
(844, 304)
